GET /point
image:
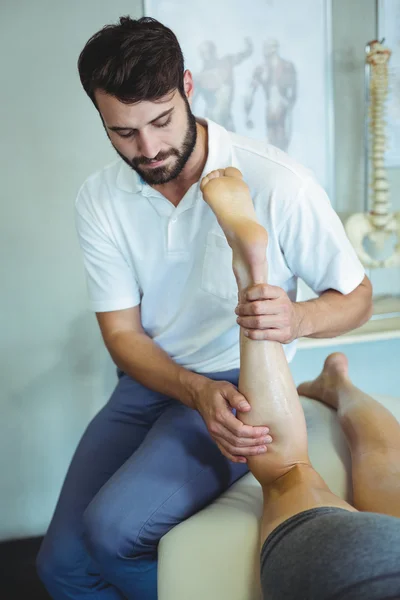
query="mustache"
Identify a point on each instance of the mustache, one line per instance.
(143, 160)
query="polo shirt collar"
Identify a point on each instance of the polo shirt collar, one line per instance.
(128, 180)
(219, 148)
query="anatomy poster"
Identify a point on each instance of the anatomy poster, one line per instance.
(261, 69)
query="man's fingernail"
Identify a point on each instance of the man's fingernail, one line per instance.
(265, 431)
(244, 405)
(267, 440)
(262, 449)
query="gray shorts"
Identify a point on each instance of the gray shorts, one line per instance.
(332, 554)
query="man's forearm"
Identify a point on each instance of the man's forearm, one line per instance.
(334, 313)
(141, 358)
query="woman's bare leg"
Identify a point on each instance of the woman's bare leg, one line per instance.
(372, 432)
(290, 484)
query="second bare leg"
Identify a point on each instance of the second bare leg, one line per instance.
(373, 435)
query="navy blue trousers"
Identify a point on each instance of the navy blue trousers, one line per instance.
(144, 464)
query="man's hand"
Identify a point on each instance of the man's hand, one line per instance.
(269, 314)
(215, 401)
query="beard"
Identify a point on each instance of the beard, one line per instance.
(160, 175)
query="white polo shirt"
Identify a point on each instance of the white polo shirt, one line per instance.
(175, 262)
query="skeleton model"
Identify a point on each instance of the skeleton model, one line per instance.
(379, 225)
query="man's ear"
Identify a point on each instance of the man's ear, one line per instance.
(188, 85)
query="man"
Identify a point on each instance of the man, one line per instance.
(161, 283)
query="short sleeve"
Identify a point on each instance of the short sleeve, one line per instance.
(315, 244)
(111, 281)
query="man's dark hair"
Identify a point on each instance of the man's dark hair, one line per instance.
(133, 60)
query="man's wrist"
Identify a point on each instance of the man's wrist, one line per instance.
(302, 316)
(191, 384)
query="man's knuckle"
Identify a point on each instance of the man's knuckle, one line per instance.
(255, 451)
(258, 308)
(219, 415)
(254, 308)
(235, 451)
(235, 428)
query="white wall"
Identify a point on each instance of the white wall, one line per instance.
(54, 372)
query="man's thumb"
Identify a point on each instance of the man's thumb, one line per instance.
(239, 402)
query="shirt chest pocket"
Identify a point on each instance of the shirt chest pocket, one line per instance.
(217, 274)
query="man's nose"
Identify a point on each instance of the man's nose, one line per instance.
(148, 145)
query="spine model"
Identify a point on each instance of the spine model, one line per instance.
(379, 225)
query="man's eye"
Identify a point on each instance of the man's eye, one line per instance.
(127, 135)
(167, 122)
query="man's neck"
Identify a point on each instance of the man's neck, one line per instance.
(175, 190)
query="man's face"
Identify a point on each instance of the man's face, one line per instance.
(155, 138)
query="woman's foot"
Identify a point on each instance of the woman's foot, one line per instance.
(229, 198)
(335, 375)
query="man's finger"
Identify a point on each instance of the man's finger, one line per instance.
(273, 335)
(261, 322)
(258, 307)
(240, 430)
(235, 459)
(236, 400)
(240, 443)
(246, 451)
(263, 291)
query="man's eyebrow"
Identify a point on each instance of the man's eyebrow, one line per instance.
(164, 114)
